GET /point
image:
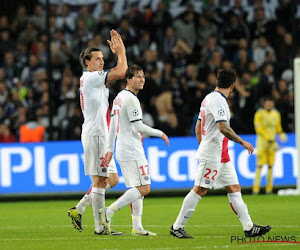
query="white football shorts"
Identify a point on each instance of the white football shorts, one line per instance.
(135, 173)
(94, 148)
(215, 174)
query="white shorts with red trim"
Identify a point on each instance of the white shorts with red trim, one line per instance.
(215, 174)
(135, 173)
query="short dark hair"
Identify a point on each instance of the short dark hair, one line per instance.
(130, 72)
(87, 54)
(226, 78)
(268, 98)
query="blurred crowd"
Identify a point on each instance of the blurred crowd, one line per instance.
(180, 44)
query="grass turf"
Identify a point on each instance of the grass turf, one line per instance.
(45, 224)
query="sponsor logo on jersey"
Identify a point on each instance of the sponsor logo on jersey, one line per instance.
(104, 170)
(207, 181)
(146, 178)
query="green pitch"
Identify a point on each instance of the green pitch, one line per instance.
(45, 224)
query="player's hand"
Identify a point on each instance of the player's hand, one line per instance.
(116, 43)
(282, 137)
(248, 146)
(107, 158)
(165, 138)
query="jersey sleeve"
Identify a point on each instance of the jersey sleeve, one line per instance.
(218, 110)
(97, 78)
(199, 116)
(134, 110)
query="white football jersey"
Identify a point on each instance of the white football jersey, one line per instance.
(129, 144)
(94, 103)
(214, 145)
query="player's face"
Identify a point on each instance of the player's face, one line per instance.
(269, 105)
(96, 63)
(138, 80)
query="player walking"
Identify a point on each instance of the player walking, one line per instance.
(126, 124)
(215, 169)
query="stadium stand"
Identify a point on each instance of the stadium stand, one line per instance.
(180, 44)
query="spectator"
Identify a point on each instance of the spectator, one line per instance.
(32, 131)
(5, 135)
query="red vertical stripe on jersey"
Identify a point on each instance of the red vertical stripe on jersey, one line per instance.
(225, 156)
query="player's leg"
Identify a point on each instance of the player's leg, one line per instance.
(76, 212)
(93, 151)
(136, 176)
(98, 198)
(269, 185)
(257, 179)
(230, 181)
(207, 174)
(271, 160)
(136, 214)
(261, 158)
(187, 209)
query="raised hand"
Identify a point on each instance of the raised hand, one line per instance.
(116, 43)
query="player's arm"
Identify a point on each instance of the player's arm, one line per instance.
(228, 132)
(139, 127)
(111, 138)
(279, 130)
(117, 47)
(278, 125)
(198, 131)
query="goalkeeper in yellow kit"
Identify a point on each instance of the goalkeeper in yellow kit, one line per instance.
(267, 123)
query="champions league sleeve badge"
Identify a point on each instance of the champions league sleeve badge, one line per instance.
(135, 112)
(221, 112)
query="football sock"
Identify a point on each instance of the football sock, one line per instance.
(128, 197)
(256, 184)
(269, 187)
(188, 207)
(136, 213)
(98, 201)
(86, 200)
(240, 209)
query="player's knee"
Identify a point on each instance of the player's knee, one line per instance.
(113, 180)
(99, 181)
(233, 188)
(200, 190)
(144, 190)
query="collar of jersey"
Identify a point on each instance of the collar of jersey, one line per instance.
(130, 92)
(221, 94)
